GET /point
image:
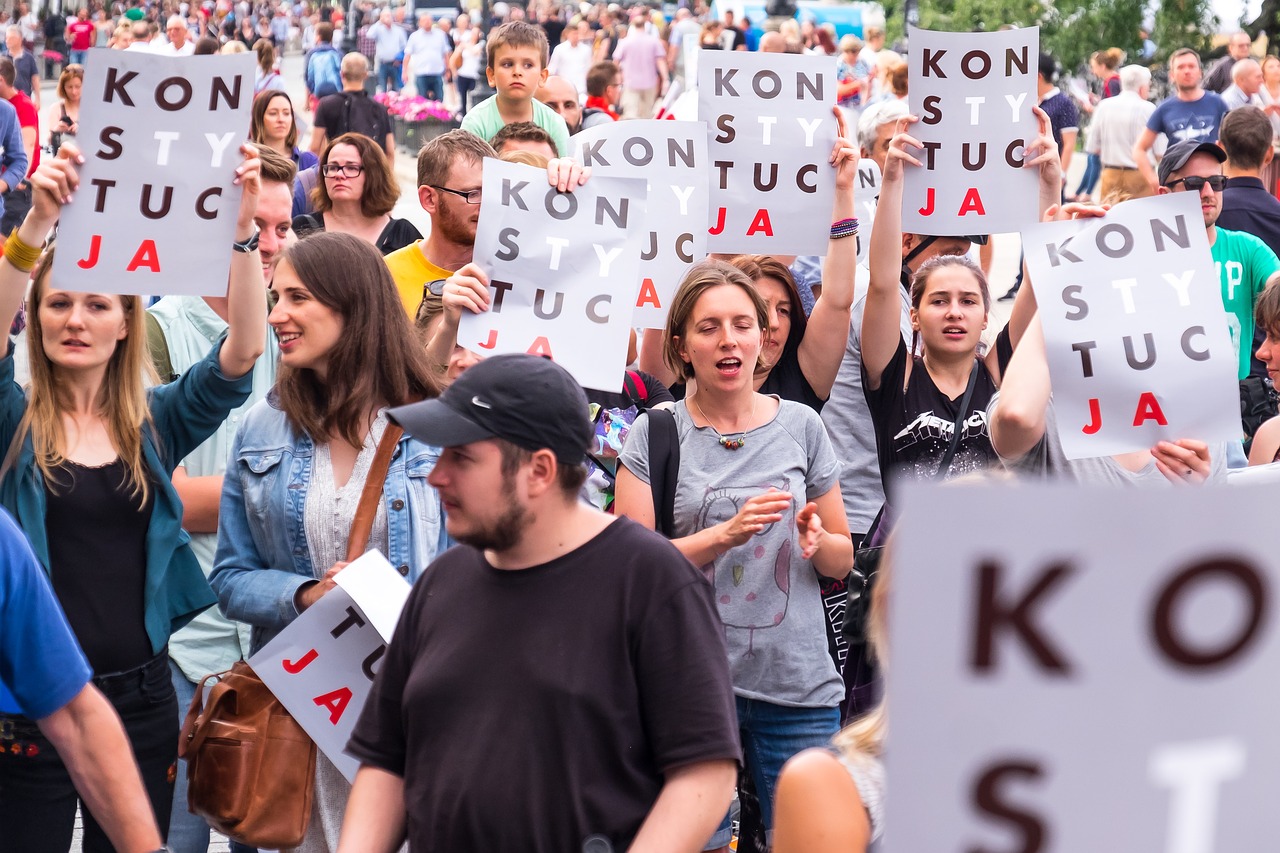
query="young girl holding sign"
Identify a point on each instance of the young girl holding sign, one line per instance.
(301, 457)
(87, 474)
(930, 409)
(757, 505)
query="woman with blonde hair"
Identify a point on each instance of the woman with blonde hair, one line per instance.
(61, 120)
(355, 195)
(90, 454)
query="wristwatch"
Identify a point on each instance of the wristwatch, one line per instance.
(250, 245)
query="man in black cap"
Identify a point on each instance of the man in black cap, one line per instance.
(560, 681)
(1244, 262)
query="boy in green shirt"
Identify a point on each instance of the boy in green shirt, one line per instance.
(517, 66)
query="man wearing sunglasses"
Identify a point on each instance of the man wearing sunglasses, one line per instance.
(1244, 262)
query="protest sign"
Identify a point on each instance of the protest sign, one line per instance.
(672, 156)
(1138, 344)
(564, 270)
(974, 93)
(771, 131)
(321, 667)
(1091, 679)
(156, 209)
(867, 192)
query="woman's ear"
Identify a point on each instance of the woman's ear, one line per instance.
(680, 348)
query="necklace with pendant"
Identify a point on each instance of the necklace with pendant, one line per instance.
(731, 441)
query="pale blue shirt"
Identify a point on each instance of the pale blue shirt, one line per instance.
(210, 643)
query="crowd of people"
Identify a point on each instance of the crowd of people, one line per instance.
(625, 629)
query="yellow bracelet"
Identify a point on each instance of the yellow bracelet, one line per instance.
(21, 256)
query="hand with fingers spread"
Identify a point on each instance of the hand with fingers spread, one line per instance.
(567, 174)
(898, 154)
(1184, 462)
(844, 154)
(756, 514)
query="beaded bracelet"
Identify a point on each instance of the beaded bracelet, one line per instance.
(844, 228)
(21, 256)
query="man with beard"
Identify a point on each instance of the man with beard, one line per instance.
(450, 171)
(562, 668)
(1190, 114)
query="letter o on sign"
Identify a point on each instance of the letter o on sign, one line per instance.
(1223, 572)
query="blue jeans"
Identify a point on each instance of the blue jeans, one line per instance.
(429, 86)
(465, 85)
(77, 57)
(771, 734)
(389, 76)
(188, 833)
(1092, 174)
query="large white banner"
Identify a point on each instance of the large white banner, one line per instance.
(564, 270)
(156, 209)
(771, 131)
(1138, 343)
(322, 666)
(672, 157)
(974, 93)
(1100, 676)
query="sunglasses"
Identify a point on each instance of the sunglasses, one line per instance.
(1195, 183)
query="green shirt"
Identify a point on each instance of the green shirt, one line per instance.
(134, 14)
(484, 121)
(1244, 264)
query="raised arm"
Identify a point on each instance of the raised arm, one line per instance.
(1018, 419)
(51, 186)
(881, 328)
(246, 291)
(827, 332)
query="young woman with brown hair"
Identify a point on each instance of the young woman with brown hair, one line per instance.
(301, 457)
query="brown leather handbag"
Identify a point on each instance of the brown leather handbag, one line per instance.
(250, 766)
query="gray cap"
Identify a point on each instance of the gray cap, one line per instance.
(1179, 153)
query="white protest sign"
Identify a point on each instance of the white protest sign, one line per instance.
(1138, 344)
(1098, 677)
(672, 156)
(156, 209)
(377, 589)
(771, 131)
(322, 666)
(868, 198)
(564, 270)
(974, 93)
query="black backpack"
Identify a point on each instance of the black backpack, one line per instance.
(361, 114)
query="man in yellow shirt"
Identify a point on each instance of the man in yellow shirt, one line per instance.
(450, 168)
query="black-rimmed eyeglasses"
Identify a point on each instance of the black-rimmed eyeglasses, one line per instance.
(471, 196)
(347, 170)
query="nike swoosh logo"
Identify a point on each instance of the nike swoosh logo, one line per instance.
(476, 401)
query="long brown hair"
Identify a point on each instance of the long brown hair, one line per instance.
(258, 118)
(122, 400)
(377, 360)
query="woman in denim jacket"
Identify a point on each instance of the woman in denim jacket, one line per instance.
(90, 453)
(301, 456)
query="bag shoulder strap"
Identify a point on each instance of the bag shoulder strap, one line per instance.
(633, 384)
(962, 412)
(664, 468)
(367, 509)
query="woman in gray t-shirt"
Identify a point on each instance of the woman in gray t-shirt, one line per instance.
(758, 507)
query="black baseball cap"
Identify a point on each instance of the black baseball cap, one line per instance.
(1177, 155)
(527, 400)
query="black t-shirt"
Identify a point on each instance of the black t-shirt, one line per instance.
(914, 428)
(554, 29)
(529, 709)
(397, 233)
(98, 562)
(353, 112)
(651, 394)
(739, 38)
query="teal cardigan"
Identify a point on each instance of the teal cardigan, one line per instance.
(186, 412)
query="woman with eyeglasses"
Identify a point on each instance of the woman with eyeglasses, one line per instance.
(355, 195)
